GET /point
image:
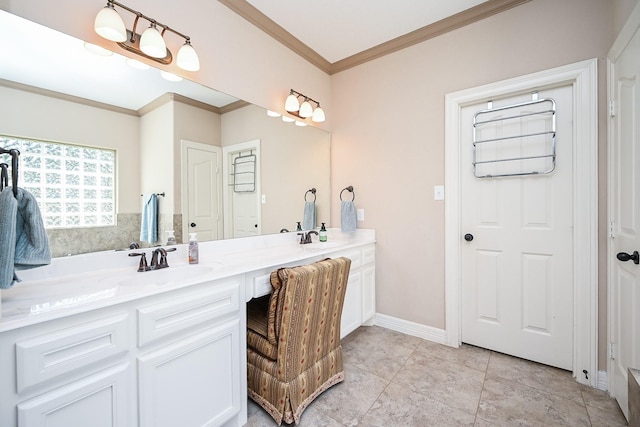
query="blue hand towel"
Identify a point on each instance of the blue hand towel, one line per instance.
(149, 223)
(348, 216)
(309, 217)
(23, 239)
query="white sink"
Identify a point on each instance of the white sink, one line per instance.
(161, 277)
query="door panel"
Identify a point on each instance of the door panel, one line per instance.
(625, 217)
(202, 213)
(517, 276)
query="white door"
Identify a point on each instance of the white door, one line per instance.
(201, 185)
(517, 247)
(242, 188)
(624, 177)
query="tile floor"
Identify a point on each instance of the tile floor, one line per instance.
(394, 379)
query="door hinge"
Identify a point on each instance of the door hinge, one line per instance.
(612, 350)
(612, 108)
(611, 228)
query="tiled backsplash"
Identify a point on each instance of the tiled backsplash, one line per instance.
(72, 241)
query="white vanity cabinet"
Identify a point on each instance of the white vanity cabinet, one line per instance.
(191, 363)
(87, 341)
(360, 298)
(173, 359)
(68, 372)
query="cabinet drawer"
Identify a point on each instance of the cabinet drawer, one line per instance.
(187, 310)
(262, 285)
(355, 257)
(68, 350)
(368, 256)
(103, 396)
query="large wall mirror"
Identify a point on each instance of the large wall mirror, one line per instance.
(166, 135)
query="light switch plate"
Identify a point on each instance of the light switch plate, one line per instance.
(438, 192)
(360, 214)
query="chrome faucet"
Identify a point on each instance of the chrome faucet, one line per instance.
(158, 259)
(305, 237)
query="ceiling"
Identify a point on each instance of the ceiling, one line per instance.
(338, 29)
(335, 35)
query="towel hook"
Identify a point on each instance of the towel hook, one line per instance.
(14, 168)
(312, 191)
(4, 175)
(350, 190)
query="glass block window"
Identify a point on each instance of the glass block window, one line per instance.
(74, 185)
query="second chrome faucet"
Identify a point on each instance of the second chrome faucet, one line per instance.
(305, 236)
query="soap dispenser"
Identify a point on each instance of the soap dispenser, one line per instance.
(171, 238)
(193, 248)
(323, 233)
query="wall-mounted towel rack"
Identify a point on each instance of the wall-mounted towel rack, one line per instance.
(350, 190)
(501, 154)
(157, 194)
(312, 191)
(4, 174)
(243, 173)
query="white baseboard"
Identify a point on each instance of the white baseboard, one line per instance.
(603, 381)
(411, 328)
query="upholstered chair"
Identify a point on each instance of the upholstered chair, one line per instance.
(293, 338)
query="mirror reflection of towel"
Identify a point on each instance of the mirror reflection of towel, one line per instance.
(149, 223)
(348, 216)
(23, 240)
(309, 218)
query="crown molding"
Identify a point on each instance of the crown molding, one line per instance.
(260, 20)
(466, 17)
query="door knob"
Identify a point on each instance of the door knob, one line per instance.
(255, 225)
(623, 256)
(468, 237)
(193, 224)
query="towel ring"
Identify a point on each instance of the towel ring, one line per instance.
(350, 190)
(312, 191)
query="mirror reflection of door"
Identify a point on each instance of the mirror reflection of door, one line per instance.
(201, 195)
(242, 189)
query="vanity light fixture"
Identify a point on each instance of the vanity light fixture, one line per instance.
(150, 44)
(304, 110)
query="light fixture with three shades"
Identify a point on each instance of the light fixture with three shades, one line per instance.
(150, 44)
(304, 110)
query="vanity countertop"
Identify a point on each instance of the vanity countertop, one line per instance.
(81, 283)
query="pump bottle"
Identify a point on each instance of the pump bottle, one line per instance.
(323, 233)
(193, 249)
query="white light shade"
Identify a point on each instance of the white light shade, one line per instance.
(292, 104)
(109, 25)
(152, 43)
(188, 58)
(299, 123)
(170, 76)
(287, 119)
(306, 110)
(271, 113)
(318, 115)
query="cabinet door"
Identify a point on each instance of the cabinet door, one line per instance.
(352, 308)
(193, 382)
(368, 294)
(99, 400)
